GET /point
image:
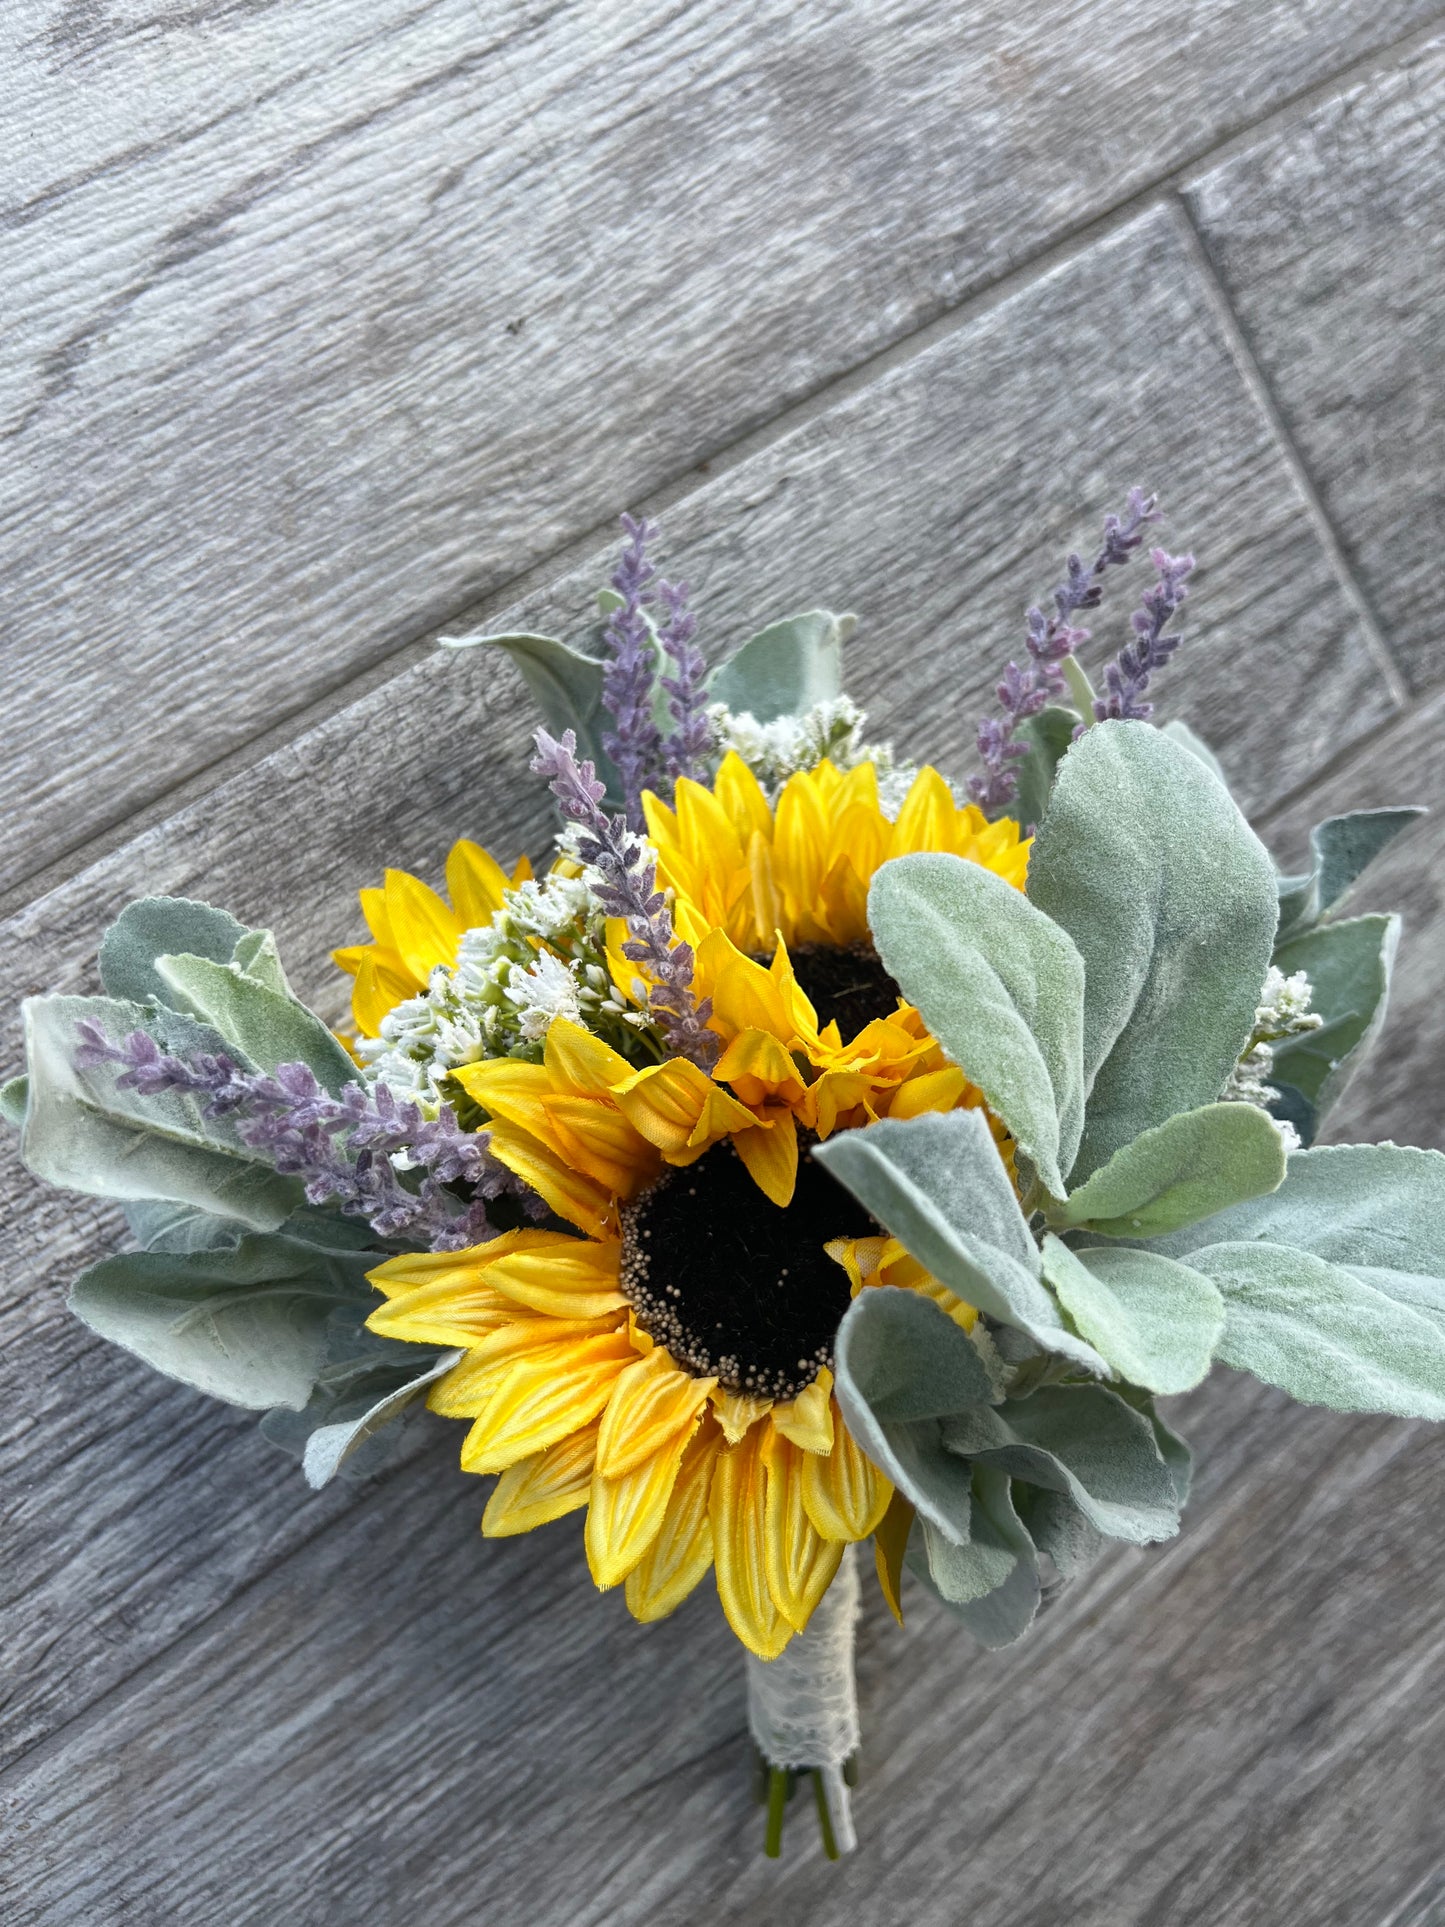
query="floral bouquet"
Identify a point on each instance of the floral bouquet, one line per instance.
(812, 1152)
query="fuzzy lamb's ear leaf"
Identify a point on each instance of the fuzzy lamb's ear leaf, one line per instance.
(785, 669)
(566, 686)
(84, 1133)
(269, 1027)
(1182, 734)
(1341, 849)
(1352, 1204)
(1348, 964)
(1170, 899)
(1155, 1320)
(1187, 1168)
(244, 1323)
(991, 1582)
(256, 956)
(1046, 737)
(14, 1096)
(1323, 1334)
(1001, 988)
(1083, 1441)
(159, 926)
(390, 1392)
(939, 1185)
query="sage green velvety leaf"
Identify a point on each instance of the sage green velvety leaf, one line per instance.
(246, 1323)
(256, 956)
(1059, 1530)
(331, 1445)
(899, 1361)
(1046, 737)
(1353, 1204)
(1182, 734)
(156, 927)
(84, 1133)
(991, 1581)
(1341, 849)
(566, 686)
(157, 1225)
(1322, 1334)
(1187, 1168)
(1000, 987)
(269, 1027)
(1154, 1319)
(938, 1184)
(1174, 1450)
(1082, 1441)
(1169, 896)
(786, 668)
(14, 1096)
(1348, 964)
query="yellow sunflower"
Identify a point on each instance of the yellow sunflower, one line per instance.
(669, 1369)
(414, 929)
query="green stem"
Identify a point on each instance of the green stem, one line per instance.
(1080, 688)
(825, 1819)
(777, 1801)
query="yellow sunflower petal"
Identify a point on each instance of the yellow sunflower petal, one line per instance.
(378, 917)
(423, 929)
(579, 1062)
(758, 1067)
(543, 1487)
(739, 1531)
(625, 1514)
(737, 1412)
(549, 1271)
(800, 1563)
(571, 1194)
(598, 1140)
(890, 1542)
(542, 1396)
(678, 1108)
(476, 883)
(808, 1419)
(741, 797)
(770, 1152)
(845, 1494)
(376, 991)
(939, 1090)
(507, 1088)
(654, 1401)
(464, 1391)
(682, 1551)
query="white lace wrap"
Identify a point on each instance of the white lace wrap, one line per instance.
(803, 1705)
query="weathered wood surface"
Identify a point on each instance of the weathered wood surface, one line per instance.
(336, 315)
(1329, 235)
(229, 1703)
(972, 452)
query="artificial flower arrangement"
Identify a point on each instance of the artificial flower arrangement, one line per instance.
(812, 1152)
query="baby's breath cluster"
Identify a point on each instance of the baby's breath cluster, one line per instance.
(543, 956)
(832, 729)
(1283, 1012)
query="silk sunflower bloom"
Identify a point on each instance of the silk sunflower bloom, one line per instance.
(671, 1369)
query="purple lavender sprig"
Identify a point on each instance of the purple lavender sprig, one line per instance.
(685, 750)
(627, 889)
(1024, 692)
(1127, 677)
(340, 1147)
(635, 743)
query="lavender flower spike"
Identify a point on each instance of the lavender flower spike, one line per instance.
(342, 1148)
(1128, 677)
(1024, 692)
(626, 888)
(635, 744)
(684, 751)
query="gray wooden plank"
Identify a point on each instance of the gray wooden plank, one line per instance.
(1329, 236)
(407, 1721)
(366, 308)
(1404, 1076)
(936, 501)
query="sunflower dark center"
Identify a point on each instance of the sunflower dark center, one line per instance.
(733, 1285)
(846, 982)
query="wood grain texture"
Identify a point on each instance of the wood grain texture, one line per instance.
(936, 502)
(1329, 235)
(328, 317)
(406, 1721)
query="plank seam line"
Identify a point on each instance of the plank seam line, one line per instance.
(1257, 383)
(394, 658)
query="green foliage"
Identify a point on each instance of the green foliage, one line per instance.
(1341, 848)
(567, 687)
(1000, 986)
(1046, 737)
(152, 927)
(85, 1133)
(786, 668)
(1348, 964)
(939, 1186)
(1169, 896)
(1155, 1320)
(14, 1096)
(1191, 1166)
(246, 1323)
(1182, 734)
(349, 1423)
(269, 1027)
